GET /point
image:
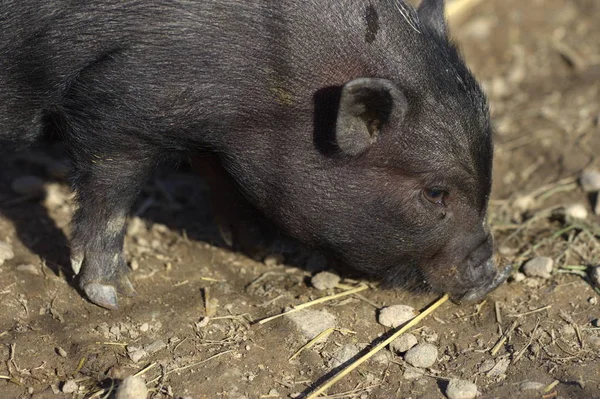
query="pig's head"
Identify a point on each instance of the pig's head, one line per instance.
(399, 183)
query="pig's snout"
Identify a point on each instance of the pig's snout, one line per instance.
(491, 274)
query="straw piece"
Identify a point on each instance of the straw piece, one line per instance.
(305, 305)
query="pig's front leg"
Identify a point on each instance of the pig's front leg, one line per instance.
(107, 182)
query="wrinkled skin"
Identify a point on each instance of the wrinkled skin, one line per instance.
(353, 125)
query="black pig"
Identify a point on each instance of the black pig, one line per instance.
(352, 124)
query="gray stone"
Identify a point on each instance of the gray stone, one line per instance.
(461, 389)
(403, 343)
(343, 354)
(517, 277)
(395, 315)
(540, 266)
(324, 280)
(422, 355)
(132, 387)
(412, 373)
(69, 386)
(500, 368)
(312, 322)
(155, 346)
(590, 180)
(576, 211)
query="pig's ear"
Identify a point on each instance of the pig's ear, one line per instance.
(366, 105)
(431, 14)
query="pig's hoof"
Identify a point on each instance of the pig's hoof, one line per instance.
(125, 287)
(102, 295)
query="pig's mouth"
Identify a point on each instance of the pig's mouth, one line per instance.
(479, 292)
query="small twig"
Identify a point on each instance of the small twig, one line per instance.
(145, 369)
(522, 351)
(498, 315)
(305, 305)
(80, 365)
(576, 272)
(552, 385)
(503, 339)
(530, 312)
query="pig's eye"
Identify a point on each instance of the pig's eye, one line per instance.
(435, 195)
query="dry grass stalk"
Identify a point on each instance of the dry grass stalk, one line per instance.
(305, 305)
(319, 336)
(503, 339)
(530, 312)
(414, 321)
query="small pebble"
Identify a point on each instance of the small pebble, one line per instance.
(31, 186)
(531, 386)
(593, 300)
(273, 260)
(403, 343)
(517, 277)
(6, 252)
(69, 386)
(155, 346)
(324, 280)
(595, 276)
(590, 180)
(524, 203)
(144, 327)
(422, 355)
(137, 355)
(596, 322)
(136, 226)
(29, 269)
(344, 354)
(132, 387)
(412, 373)
(461, 389)
(499, 368)
(487, 365)
(576, 211)
(381, 357)
(312, 322)
(540, 266)
(395, 315)
(61, 352)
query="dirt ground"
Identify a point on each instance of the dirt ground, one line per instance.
(191, 323)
